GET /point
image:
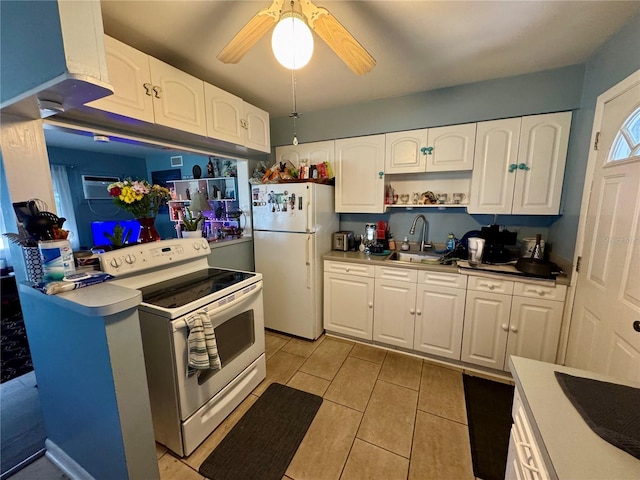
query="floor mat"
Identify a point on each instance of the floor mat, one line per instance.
(262, 444)
(489, 417)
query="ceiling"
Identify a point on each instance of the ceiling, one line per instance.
(418, 45)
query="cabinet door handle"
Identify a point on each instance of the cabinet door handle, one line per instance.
(523, 166)
(380, 175)
(505, 327)
(491, 287)
(244, 124)
(513, 167)
(370, 304)
(149, 88)
(426, 150)
(157, 91)
(514, 329)
(418, 312)
(412, 311)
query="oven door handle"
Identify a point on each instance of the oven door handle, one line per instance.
(212, 312)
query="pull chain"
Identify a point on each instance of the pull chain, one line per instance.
(295, 115)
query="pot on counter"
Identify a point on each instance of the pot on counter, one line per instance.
(537, 267)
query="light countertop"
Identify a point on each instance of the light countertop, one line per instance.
(570, 448)
(372, 259)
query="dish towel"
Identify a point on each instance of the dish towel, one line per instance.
(201, 344)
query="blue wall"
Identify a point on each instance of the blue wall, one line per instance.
(612, 63)
(541, 92)
(44, 51)
(81, 162)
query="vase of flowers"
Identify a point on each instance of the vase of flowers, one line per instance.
(143, 201)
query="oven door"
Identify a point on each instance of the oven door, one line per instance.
(238, 323)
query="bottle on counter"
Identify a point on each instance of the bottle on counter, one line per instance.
(392, 242)
(451, 242)
(405, 244)
(537, 249)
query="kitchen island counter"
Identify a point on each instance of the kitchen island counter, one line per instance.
(568, 446)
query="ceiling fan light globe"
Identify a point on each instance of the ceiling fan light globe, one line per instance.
(292, 42)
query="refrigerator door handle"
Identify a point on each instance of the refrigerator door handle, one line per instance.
(307, 215)
(307, 260)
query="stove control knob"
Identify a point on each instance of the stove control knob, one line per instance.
(196, 245)
(115, 262)
(130, 259)
(205, 244)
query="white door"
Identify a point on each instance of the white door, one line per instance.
(486, 326)
(289, 281)
(534, 329)
(178, 98)
(283, 207)
(541, 160)
(394, 316)
(224, 113)
(439, 324)
(451, 148)
(605, 330)
(360, 175)
(348, 305)
(404, 151)
(256, 123)
(131, 80)
(494, 166)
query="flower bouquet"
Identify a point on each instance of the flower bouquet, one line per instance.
(143, 201)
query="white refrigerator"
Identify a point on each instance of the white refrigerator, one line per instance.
(293, 226)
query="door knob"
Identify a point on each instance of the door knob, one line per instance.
(636, 325)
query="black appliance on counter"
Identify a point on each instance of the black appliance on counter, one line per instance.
(495, 242)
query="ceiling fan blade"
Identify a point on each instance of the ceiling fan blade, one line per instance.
(249, 35)
(338, 38)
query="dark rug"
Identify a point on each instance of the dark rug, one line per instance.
(489, 417)
(262, 444)
(15, 356)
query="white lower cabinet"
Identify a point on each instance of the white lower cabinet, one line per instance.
(348, 299)
(523, 320)
(438, 329)
(395, 312)
(481, 321)
(419, 310)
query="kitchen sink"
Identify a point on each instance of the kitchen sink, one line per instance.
(417, 257)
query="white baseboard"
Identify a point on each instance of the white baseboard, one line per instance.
(65, 463)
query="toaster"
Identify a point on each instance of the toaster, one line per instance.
(344, 241)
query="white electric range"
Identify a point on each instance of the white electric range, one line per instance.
(176, 282)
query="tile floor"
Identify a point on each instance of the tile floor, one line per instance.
(385, 415)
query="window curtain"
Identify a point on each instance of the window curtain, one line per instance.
(64, 202)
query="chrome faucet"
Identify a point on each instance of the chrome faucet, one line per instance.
(423, 243)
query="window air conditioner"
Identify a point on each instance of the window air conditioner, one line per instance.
(95, 187)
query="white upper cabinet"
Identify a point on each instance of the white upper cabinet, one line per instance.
(492, 181)
(313, 153)
(178, 98)
(441, 149)
(224, 115)
(359, 164)
(542, 156)
(231, 119)
(519, 165)
(152, 91)
(256, 125)
(130, 75)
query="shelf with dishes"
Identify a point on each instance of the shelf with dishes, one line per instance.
(428, 190)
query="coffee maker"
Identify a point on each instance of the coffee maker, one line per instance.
(495, 250)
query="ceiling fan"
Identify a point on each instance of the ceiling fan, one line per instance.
(319, 19)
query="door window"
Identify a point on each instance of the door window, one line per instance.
(627, 141)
